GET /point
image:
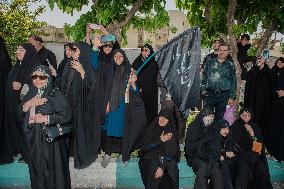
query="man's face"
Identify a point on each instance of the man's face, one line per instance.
(223, 52)
(224, 131)
(244, 41)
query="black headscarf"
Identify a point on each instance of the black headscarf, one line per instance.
(140, 59)
(84, 59)
(5, 61)
(33, 91)
(117, 80)
(30, 60)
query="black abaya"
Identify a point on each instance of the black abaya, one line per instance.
(275, 127)
(257, 94)
(79, 93)
(21, 73)
(5, 67)
(48, 162)
(147, 81)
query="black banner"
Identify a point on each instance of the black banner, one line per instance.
(179, 64)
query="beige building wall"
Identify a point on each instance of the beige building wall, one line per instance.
(137, 38)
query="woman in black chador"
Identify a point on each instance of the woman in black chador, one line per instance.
(5, 67)
(45, 106)
(203, 150)
(250, 154)
(257, 92)
(275, 127)
(160, 154)
(77, 84)
(17, 85)
(147, 81)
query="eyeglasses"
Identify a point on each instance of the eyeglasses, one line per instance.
(41, 77)
(108, 45)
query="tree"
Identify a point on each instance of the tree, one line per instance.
(231, 18)
(17, 22)
(115, 15)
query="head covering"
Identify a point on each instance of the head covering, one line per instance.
(117, 80)
(37, 38)
(165, 113)
(33, 91)
(148, 46)
(223, 123)
(85, 52)
(249, 110)
(207, 111)
(30, 60)
(5, 61)
(280, 59)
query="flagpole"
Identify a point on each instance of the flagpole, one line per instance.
(146, 62)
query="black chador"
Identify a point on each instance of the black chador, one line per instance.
(85, 139)
(275, 126)
(5, 67)
(48, 162)
(21, 72)
(257, 94)
(250, 153)
(147, 81)
(160, 155)
(203, 149)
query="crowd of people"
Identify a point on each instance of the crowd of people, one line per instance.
(99, 105)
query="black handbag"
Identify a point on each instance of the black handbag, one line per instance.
(55, 132)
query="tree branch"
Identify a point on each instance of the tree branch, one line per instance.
(207, 12)
(265, 37)
(115, 26)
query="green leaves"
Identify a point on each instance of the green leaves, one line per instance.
(17, 22)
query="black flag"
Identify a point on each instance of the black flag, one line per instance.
(179, 64)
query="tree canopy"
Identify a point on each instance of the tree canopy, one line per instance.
(211, 16)
(17, 22)
(116, 15)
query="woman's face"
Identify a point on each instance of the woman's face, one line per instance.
(163, 121)
(68, 52)
(21, 53)
(280, 64)
(145, 52)
(75, 53)
(39, 79)
(118, 58)
(260, 61)
(224, 131)
(107, 48)
(246, 117)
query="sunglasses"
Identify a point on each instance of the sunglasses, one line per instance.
(108, 45)
(41, 77)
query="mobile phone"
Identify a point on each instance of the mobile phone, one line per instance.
(108, 38)
(94, 26)
(49, 65)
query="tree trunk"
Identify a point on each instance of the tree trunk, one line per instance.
(115, 27)
(265, 38)
(207, 12)
(233, 42)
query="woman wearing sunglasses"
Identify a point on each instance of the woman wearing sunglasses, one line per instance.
(45, 106)
(18, 83)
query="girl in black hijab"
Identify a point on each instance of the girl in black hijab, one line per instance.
(42, 107)
(5, 67)
(77, 84)
(147, 81)
(275, 126)
(250, 154)
(160, 154)
(18, 83)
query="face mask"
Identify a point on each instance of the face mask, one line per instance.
(207, 120)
